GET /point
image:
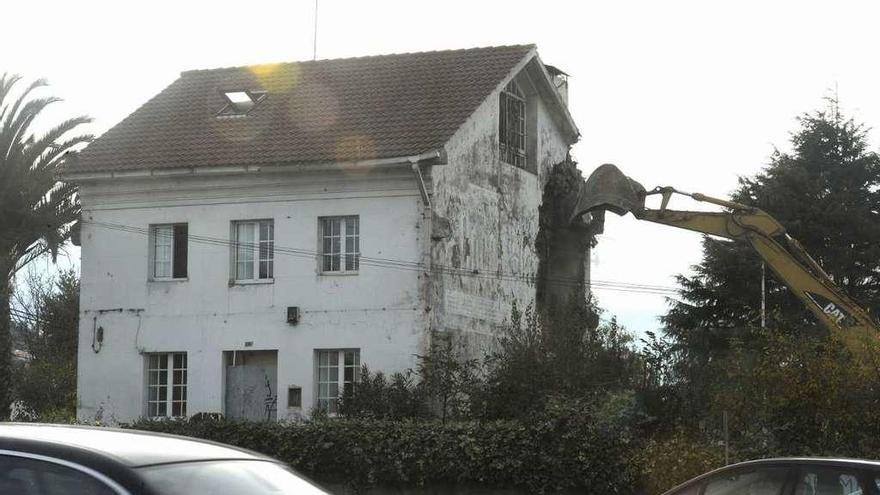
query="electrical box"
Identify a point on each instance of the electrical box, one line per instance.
(293, 315)
(294, 396)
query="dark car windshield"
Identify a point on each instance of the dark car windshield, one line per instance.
(226, 478)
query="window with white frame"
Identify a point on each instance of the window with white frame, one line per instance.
(166, 384)
(253, 250)
(340, 244)
(512, 125)
(338, 371)
(168, 251)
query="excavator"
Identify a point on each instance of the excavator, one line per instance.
(608, 189)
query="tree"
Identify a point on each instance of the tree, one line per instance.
(826, 192)
(446, 378)
(556, 353)
(38, 211)
(45, 384)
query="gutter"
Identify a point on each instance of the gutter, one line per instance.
(435, 157)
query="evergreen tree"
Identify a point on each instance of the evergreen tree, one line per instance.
(826, 192)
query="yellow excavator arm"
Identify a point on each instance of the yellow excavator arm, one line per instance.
(609, 189)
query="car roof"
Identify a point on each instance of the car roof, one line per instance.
(824, 461)
(130, 447)
(785, 461)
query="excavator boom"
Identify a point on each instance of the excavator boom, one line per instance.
(609, 189)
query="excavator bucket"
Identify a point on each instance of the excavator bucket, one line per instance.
(608, 189)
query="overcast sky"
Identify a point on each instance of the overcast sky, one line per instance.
(691, 94)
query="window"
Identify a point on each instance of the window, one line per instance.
(240, 102)
(166, 384)
(338, 371)
(340, 244)
(512, 126)
(294, 397)
(762, 481)
(168, 251)
(21, 475)
(828, 481)
(254, 250)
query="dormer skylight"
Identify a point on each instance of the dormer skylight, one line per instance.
(240, 102)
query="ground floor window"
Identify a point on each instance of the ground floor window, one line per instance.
(338, 371)
(166, 384)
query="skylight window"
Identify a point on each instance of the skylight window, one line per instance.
(240, 102)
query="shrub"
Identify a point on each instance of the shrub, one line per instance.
(562, 448)
(675, 458)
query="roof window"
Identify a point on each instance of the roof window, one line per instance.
(240, 102)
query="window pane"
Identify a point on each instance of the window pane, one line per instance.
(244, 250)
(828, 481)
(759, 482)
(162, 242)
(181, 245)
(334, 358)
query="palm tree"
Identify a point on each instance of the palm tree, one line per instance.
(37, 212)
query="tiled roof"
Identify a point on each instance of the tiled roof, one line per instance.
(316, 111)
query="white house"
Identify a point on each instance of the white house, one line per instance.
(252, 235)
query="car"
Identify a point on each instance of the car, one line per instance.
(45, 459)
(788, 476)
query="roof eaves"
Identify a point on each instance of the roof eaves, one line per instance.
(554, 96)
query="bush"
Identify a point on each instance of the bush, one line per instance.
(667, 461)
(380, 398)
(563, 448)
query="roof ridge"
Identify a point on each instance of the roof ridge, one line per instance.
(529, 46)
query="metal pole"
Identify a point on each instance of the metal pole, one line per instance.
(315, 39)
(726, 438)
(763, 297)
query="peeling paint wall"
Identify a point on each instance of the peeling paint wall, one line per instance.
(487, 261)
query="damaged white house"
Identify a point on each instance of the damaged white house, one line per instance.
(252, 235)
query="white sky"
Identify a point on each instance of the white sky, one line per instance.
(691, 94)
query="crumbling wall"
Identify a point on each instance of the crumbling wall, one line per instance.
(562, 244)
(485, 226)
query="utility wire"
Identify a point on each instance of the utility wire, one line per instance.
(405, 265)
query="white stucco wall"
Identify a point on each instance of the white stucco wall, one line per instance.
(377, 310)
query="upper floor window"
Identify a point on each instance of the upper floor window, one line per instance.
(166, 384)
(512, 125)
(168, 251)
(340, 244)
(254, 250)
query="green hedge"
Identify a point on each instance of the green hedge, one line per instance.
(541, 456)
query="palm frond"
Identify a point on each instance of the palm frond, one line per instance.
(38, 211)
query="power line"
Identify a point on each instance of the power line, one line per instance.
(406, 265)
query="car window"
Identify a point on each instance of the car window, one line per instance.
(25, 476)
(692, 489)
(226, 478)
(766, 481)
(828, 481)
